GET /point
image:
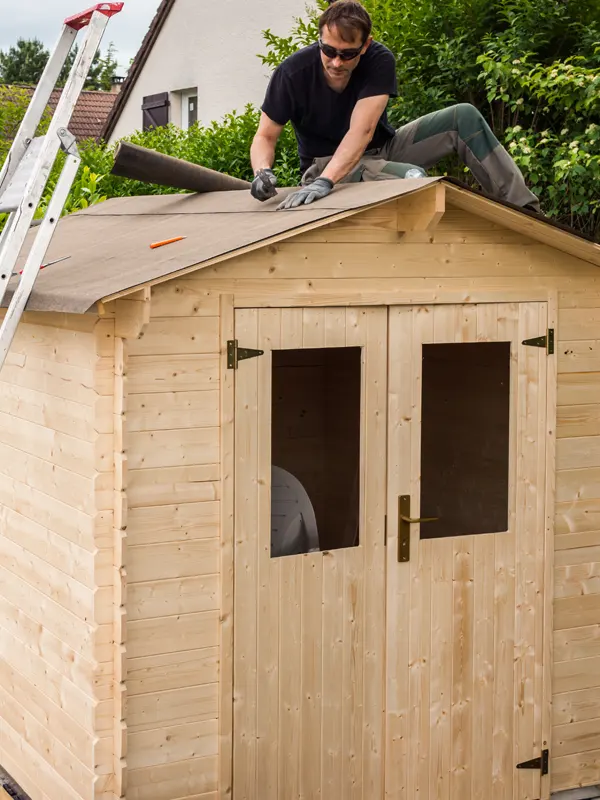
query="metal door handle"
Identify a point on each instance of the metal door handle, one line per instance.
(410, 520)
(404, 522)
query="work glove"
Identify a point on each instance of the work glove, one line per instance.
(316, 190)
(263, 185)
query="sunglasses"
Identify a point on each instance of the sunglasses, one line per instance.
(347, 54)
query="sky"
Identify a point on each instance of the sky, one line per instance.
(42, 19)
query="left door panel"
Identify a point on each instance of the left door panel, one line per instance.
(309, 626)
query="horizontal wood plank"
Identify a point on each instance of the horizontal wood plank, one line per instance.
(576, 421)
(43, 741)
(172, 410)
(577, 737)
(574, 643)
(51, 514)
(578, 356)
(578, 453)
(52, 582)
(574, 612)
(170, 336)
(176, 707)
(172, 743)
(578, 388)
(173, 448)
(577, 484)
(173, 485)
(172, 597)
(576, 706)
(290, 260)
(75, 632)
(60, 725)
(151, 674)
(53, 549)
(156, 562)
(580, 673)
(178, 780)
(175, 523)
(172, 634)
(581, 769)
(172, 373)
(578, 323)
(181, 298)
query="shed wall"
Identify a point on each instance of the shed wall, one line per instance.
(172, 449)
(468, 259)
(56, 559)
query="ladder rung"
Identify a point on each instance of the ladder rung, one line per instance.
(83, 19)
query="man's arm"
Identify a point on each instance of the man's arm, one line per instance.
(367, 113)
(262, 152)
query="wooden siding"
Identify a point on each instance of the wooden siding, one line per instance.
(469, 259)
(56, 556)
(576, 711)
(172, 449)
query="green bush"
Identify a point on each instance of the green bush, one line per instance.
(532, 67)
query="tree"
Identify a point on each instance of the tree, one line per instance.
(24, 62)
(102, 71)
(532, 67)
(13, 105)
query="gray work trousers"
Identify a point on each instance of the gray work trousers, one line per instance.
(424, 142)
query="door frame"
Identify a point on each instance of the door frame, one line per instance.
(228, 302)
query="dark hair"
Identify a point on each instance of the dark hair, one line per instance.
(349, 17)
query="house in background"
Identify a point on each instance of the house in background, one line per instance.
(91, 111)
(198, 62)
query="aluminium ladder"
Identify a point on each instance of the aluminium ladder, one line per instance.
(30, 160)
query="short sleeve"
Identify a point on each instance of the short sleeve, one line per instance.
(379, 75)
(278, 103)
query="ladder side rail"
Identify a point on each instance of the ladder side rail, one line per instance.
(38, 104)
(36, 255)
(45, 161)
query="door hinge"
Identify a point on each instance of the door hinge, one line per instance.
(541, 763)
(385, 531)
(235, 353)
(543, 341)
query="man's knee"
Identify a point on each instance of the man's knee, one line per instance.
(467, 113)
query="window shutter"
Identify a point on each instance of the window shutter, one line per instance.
(155, 111)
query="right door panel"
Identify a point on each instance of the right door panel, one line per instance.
(465, 590)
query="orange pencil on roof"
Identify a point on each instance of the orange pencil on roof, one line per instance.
(154, 245)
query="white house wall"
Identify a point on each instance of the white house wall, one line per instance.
(212, 46)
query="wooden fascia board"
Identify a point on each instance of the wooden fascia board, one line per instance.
(421, 211)
(430, 213)
(522, 223)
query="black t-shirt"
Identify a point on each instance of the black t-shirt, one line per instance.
(320, 116)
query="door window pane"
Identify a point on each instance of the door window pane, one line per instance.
(465, 438)
(315, 449)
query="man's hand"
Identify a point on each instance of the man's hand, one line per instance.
(263, 185)
(308, 194)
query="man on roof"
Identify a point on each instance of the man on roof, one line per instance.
(335, 93)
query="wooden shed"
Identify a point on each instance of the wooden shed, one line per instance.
(403, 350)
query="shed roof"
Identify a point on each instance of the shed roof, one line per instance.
(108, 245)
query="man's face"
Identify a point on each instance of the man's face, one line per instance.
(337, 69)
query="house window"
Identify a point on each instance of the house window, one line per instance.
(189, 108)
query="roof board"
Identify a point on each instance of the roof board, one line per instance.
(109, 251)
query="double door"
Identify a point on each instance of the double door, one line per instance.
(389, 553)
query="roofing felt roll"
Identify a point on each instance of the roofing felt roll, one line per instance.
(143, 164)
